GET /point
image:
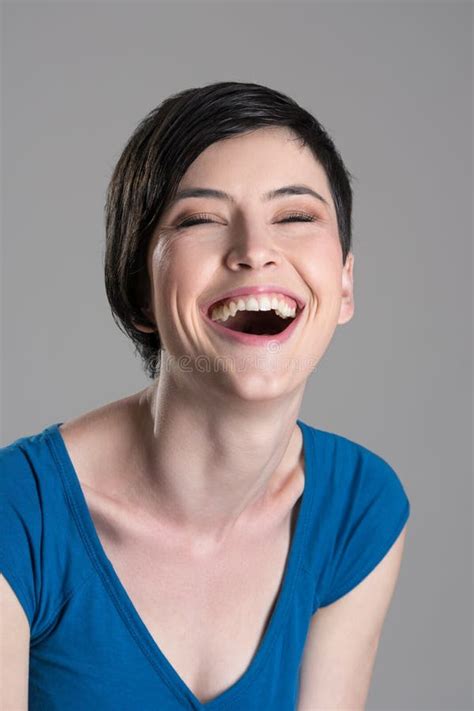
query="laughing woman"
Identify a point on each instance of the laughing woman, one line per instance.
(196, 545)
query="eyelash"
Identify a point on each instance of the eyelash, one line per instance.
(201, 219)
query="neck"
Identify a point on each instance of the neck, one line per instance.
(210, 469)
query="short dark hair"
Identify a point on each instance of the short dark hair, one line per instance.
(154, 160)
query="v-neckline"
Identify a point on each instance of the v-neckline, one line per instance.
(127, 609)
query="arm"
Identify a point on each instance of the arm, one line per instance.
(343, 638)
(14, 651)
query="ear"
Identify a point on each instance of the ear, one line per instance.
(148, 317)
(143, 328)
(347, 302)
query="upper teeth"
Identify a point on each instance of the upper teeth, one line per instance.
(254, 303)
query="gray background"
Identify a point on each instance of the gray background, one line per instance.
(392, 83)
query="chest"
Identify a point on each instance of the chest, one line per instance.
(206, 614)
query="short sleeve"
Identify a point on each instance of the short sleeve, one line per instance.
(20, 528)
(373, 510)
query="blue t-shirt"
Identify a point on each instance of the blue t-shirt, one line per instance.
(89, 647)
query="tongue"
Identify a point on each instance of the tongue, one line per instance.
(257, 322)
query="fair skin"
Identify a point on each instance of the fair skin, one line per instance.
(237, 426)
(192, 483)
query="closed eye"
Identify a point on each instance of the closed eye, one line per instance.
(201, 219)
(300, 217)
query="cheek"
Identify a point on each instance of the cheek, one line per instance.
(180, 271)
(322, 265)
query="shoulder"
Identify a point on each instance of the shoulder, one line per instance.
(353, 468)
(97, 442)
(41, 567)
(21, 518)
(360, 509)
(372, 483)
(19, 471)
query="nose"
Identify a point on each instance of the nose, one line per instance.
(252, 248)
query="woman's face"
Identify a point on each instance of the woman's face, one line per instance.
(249, 241)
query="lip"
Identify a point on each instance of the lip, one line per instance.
(251, 339)
(261, 289)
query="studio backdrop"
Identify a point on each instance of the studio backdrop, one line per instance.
(392, 84)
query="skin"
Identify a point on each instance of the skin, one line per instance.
(236, 425)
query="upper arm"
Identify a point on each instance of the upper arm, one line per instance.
(22, 561)
(343, 638)
(14, 650)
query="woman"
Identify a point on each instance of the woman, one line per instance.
(196, 545)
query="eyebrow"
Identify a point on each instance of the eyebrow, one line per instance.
(271, 195)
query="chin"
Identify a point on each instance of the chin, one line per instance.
(254, 385)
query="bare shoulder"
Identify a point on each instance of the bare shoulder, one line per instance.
(342, 642)
(105, 417)
(97, 441)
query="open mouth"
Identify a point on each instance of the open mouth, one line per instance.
(260, 323)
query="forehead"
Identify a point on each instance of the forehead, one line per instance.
(260, 160)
